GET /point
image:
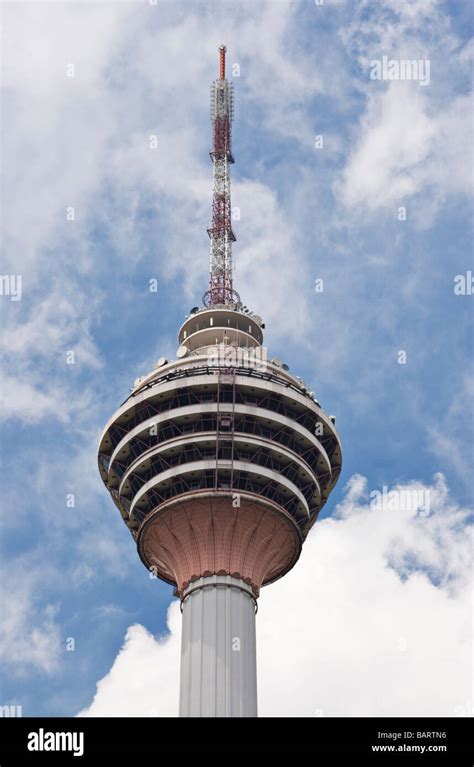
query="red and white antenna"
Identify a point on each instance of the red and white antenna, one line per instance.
(221, 290)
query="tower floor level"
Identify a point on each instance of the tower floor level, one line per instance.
(219, 463)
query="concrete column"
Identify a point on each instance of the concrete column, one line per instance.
(218, 649)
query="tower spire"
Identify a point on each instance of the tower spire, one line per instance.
(222, 52)
(221, 291)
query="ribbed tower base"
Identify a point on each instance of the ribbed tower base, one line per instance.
(218, 649)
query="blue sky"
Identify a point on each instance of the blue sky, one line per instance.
(305, 214)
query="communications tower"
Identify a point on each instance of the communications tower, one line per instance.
(219, 462)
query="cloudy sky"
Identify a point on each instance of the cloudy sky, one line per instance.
(375, 618)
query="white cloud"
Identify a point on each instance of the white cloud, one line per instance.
(59, 125)
(410, 140)
(29, 636)
(144, 678)
(21, 400)
(40, 382)
(373, 620)
(403, 151)
(447, 437)
(396, 136)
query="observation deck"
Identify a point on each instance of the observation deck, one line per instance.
(220, 461)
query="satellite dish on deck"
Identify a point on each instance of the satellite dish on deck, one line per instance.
(276, 361)
(285, 366)
(162, 361)
(257, 319)
(194, 310)
(182, 352)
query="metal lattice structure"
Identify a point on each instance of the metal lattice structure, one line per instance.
(221, 292)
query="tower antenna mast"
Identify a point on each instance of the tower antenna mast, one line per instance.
(221, 291)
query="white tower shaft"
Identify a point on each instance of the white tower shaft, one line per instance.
(218, 649)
